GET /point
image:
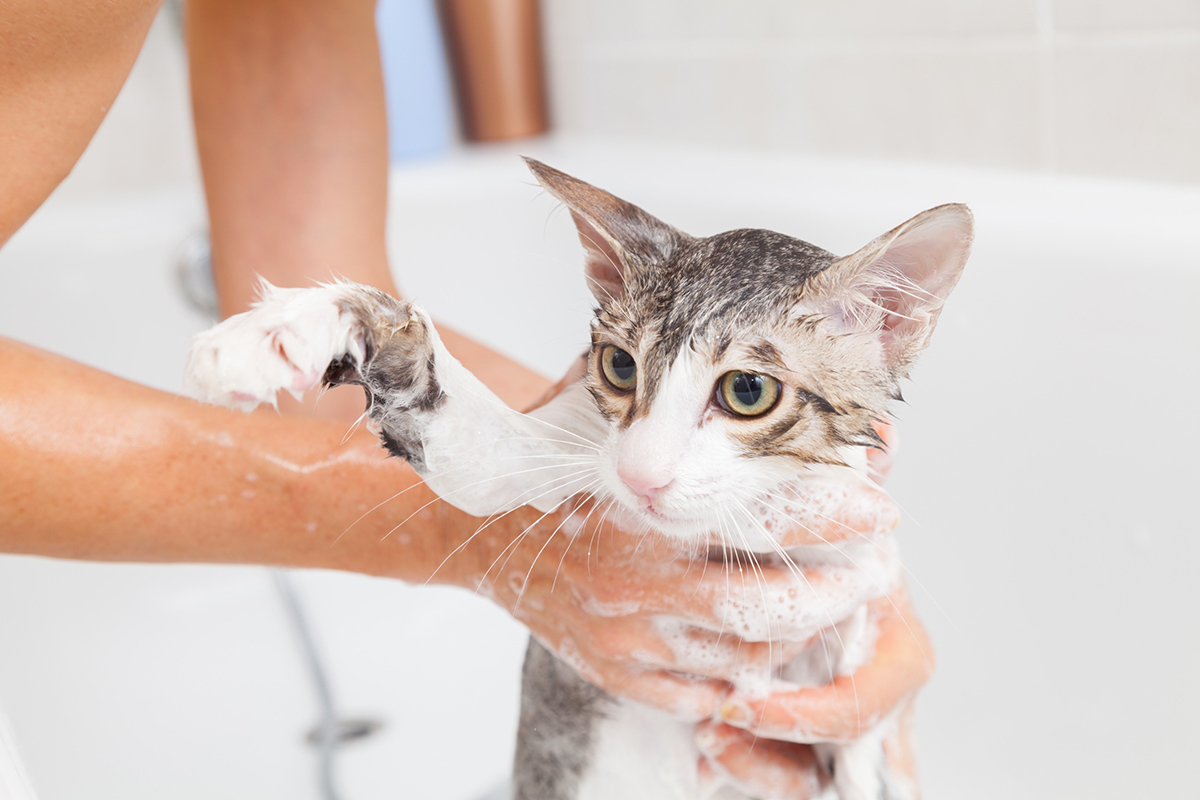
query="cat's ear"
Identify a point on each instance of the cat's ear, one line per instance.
(896, 285)
(619, 239)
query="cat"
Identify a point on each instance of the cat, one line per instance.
(722, 371)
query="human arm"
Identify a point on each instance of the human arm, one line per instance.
(62, 63)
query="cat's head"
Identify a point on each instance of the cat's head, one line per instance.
(727, 365)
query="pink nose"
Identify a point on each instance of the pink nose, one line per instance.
(647, 487)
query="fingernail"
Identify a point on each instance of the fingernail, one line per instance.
(706, 740)
(888, 517)
(735, 712)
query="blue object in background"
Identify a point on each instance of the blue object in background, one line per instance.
(415, 78)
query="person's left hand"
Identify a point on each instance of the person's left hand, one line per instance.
(757, 743)
(844, 709)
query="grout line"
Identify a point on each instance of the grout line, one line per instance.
(1147, 38)
(1044, 36)
(705, 49)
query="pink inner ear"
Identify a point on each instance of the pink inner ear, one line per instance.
(898, 284)
(602, 264)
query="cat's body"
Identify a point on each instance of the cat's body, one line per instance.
(729, 378)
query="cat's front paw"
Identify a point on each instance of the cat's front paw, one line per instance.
(285, 342)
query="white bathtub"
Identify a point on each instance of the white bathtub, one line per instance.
(1049, 476)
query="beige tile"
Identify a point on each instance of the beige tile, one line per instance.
(1131, 110)
(816, 19)
(564, 28)
(977, 107)
(1074, 16)
(703, 101)
(716, 21)
(972, 107)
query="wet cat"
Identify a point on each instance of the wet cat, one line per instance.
(723, 371)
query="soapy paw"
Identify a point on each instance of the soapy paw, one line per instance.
(287, 341)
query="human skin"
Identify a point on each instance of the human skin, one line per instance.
(289, 123)
(61, 66)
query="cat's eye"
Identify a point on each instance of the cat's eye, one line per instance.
(618, 367)
(747, 394)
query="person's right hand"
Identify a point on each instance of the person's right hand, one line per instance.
(637, 620)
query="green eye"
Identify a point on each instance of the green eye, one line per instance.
(618, 367)
(747, 394)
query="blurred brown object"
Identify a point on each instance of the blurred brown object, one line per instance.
(496, 51)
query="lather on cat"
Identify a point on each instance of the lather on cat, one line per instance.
(724, 372)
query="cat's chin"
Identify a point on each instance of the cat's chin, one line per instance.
(693, 532)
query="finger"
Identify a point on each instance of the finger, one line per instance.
(769, 603)
(673, 644)
(686, 698)
(827, 511)
(899, 753)
(759, 767)
(851, 704)
(880, 459)
(760, 604)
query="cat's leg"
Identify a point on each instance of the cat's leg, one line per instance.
(556, 736)
(860, 770)
(471, 448)
(576, 742)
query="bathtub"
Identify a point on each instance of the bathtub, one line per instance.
(1048, 476)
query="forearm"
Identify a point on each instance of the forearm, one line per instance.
(292, 134)
(94, 467)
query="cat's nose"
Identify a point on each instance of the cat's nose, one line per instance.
(645, 486)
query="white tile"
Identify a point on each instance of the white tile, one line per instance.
(1121, 15)
(717, 101)
(627, 21)
(974, 107)
(815, 19)
(1129, 110)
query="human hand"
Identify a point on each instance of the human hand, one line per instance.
(851, 704)
(754, 742)
(640, 622)
(762, 767)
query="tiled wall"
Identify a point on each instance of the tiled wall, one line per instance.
(1094, 86)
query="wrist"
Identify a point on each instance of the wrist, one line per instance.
(474, 548)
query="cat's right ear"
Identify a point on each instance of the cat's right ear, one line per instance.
(896, 286)
(619, 239)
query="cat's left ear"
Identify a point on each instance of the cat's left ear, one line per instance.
(619, 239)
(896, 285)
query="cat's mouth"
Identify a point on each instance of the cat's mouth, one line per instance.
(652, 512)
(668, 524)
